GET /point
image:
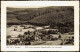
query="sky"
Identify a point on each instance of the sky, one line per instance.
(28, 6)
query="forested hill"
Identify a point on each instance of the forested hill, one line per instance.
(44, 15)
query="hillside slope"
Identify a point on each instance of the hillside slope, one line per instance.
(44, 15)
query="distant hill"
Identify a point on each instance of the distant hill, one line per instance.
(52, 17)
(44, 15)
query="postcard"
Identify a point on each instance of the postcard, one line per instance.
(40, 25)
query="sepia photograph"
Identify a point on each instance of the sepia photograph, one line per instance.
(40, 25)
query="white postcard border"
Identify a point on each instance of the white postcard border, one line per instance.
(5, 4)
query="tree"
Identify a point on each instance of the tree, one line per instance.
(8, 36)
(20, 36)
(59, 36)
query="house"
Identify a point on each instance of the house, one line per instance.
(49, 31)
(67, 40)
(14, 38)
(39, 28)
(46, 26)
